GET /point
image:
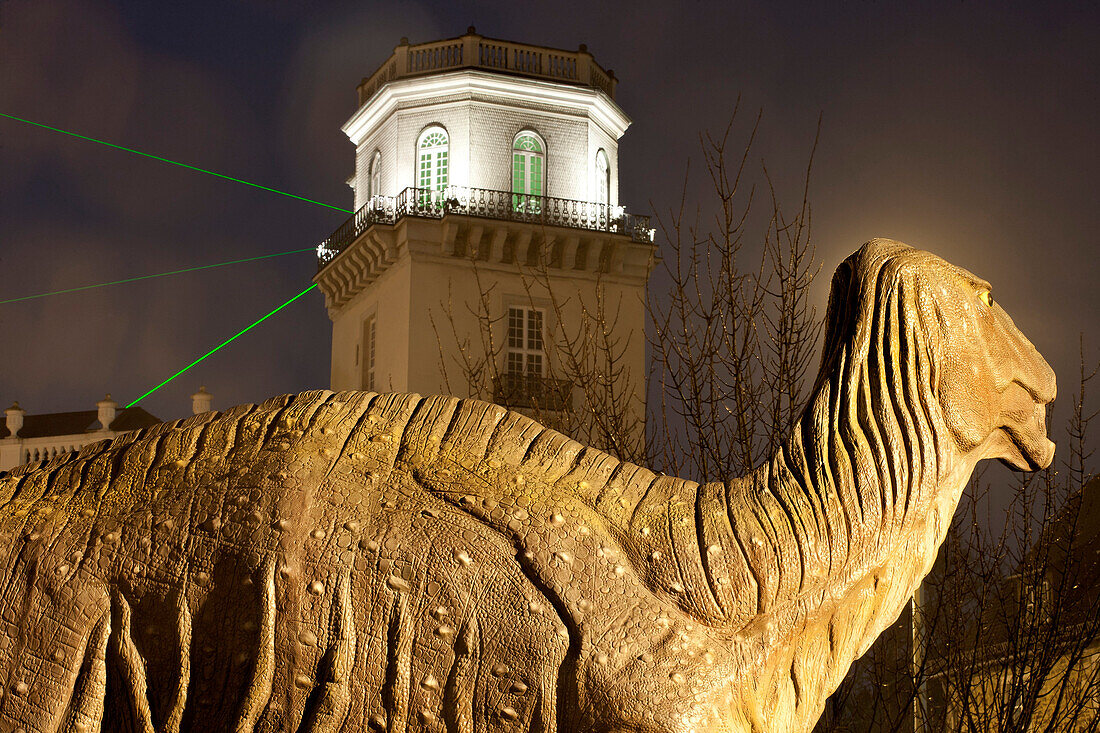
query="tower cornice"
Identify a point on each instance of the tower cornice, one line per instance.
(460, 241)
(475, 84)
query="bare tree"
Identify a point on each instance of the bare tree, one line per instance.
(729, 345)
(584, 355)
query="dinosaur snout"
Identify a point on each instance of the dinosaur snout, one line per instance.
(1033, 373)
(1047, 388)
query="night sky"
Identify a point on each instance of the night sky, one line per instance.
(958, 128)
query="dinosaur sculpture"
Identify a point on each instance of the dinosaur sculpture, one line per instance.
(389, 562)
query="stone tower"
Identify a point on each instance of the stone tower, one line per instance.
(479, 162)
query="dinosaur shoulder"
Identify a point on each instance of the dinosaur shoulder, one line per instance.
(475, 449)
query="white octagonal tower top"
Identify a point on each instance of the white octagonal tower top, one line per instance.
(486, 173)
(479, 113)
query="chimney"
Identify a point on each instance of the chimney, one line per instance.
(107, 409)
(202, 401)
(15, 415)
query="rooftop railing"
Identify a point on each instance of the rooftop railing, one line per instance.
(489, 204)
(532, 391)
(472, 51)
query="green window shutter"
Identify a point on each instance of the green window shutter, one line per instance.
(425, 170)
(433, 164)
(535, 188)
(441, 170)
(519, 174)
(527, 173)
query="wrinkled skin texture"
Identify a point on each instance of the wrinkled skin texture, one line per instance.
(354, 561)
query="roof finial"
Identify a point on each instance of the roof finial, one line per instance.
(14, 415)
(202, 401)
(107, 411)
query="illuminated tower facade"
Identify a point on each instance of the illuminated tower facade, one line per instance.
(479, 162)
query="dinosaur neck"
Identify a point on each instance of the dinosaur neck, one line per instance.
(863, 488)
(810, 557)
(854, 479)
(839, 528)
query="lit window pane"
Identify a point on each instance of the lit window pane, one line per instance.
(375, 185)
(515, 328)
(370, 350)
(528, 142)
(433, 160)
(525, 342)
(527, 170)
(536, 177)
(603, 178)
(534, 329)
(519, 174)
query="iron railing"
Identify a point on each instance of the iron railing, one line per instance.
(489, 204)
(532, 391)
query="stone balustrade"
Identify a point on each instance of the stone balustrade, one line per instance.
(473, 51)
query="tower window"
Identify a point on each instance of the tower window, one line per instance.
(603, 179)
(369, 343)
(524, 382)
(528, 164)
(375, 186)
(432, 157)
(525, 346)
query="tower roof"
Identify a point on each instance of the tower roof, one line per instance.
(473, 51)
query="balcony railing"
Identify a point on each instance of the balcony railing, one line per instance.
(532, 391)
(477, 52)
(503, 205)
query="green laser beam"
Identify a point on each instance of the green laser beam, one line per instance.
(174, 162)
(159, 274)
(222, 345)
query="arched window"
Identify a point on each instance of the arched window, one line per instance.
(374, 187)
(432, 160)
(603, 179)
(528, 177)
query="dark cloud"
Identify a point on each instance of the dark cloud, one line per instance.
(76, 213)
(71, 65)
(335, 52)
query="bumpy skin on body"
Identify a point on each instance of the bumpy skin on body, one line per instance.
(357, 561)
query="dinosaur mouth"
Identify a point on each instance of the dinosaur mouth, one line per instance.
(1027, 446)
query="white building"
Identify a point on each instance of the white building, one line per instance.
(475, 161)
(26, 438)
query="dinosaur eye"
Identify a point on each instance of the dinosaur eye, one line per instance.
(986, 297)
